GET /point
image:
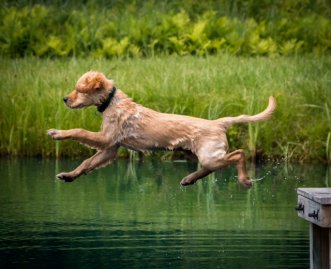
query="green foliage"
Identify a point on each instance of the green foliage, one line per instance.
(146, 29)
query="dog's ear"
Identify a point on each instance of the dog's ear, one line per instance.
(94, 83)
(91, 81)
(98, 82)
(97, 85)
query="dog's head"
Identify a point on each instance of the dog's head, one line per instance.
(92, 88)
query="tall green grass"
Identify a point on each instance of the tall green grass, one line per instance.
(32, 89)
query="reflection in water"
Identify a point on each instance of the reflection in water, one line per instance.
(136, 215)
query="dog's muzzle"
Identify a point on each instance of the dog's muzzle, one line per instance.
(65, 99)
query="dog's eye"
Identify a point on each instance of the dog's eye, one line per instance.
(84, 94)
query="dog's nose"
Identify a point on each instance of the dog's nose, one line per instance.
(65, 99)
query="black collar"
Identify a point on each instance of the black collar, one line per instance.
(101, 108)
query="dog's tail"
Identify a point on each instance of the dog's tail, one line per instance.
(228, 121)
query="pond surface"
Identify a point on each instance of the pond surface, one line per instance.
(136, 215)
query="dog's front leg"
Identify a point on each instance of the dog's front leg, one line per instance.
(59, 134)
(101, 158)
(97, 140)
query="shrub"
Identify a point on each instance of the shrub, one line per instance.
(47, 31)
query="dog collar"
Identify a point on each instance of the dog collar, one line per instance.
(101, 108)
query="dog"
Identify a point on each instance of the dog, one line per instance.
(131, 125)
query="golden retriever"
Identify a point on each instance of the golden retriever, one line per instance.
(131, 125)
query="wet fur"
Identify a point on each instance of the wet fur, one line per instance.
(128, 124)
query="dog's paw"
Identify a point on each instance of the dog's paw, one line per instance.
(67, 177)
(187, 181)
(54, 134)
(246, 183)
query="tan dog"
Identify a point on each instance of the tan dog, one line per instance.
(126, 123)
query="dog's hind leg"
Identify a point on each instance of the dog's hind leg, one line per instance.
(192, 178)
(238, 157)
(212, 160)
(101, 158)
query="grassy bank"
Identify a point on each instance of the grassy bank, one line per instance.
(31, 92)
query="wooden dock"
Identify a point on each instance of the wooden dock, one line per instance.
(314, 205)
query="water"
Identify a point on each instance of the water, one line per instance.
(136, 215)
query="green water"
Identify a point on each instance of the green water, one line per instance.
(136, 215)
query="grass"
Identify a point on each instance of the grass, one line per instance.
(32, 89)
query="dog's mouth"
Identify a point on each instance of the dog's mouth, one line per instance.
(69, 104)
(76, 107)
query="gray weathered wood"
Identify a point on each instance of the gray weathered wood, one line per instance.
(319, 195)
